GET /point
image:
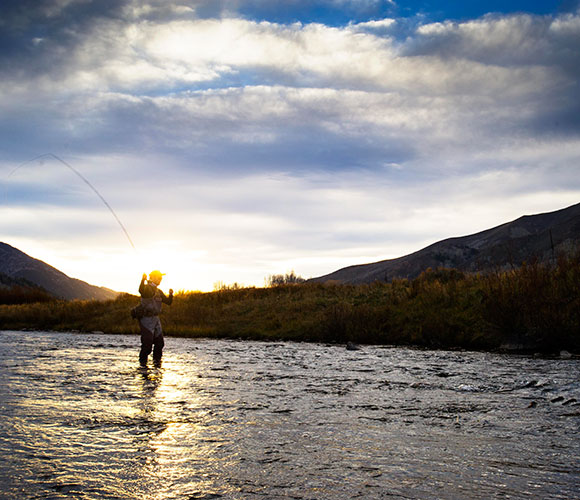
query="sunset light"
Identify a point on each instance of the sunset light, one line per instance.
(272, 249)
(238, 140)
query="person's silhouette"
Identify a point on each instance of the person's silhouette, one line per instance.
(152, 299)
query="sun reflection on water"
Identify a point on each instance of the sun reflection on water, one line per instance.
(181, 439)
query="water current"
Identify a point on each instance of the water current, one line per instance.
(237, 419)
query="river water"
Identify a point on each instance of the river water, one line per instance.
(230, 419)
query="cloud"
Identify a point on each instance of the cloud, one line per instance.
(538, 49)
(445, 57)
(445, 76)
(250, 145)
(507, 40)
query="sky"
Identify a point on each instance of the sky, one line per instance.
(236, 139)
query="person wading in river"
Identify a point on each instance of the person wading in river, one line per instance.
(152, 299)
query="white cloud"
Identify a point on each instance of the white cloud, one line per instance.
(249, 146)
(454, 58)
(568, 25)
(376, 24)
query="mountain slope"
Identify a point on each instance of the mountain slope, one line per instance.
(531, 236)
(18, 265)
(21, 291)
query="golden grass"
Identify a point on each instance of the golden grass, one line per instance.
(537, 306)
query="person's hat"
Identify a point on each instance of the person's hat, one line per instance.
(156, 274)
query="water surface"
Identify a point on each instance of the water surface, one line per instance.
(224, 419)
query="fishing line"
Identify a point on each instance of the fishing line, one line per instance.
(84, 179)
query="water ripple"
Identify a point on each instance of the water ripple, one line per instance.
(237, 420)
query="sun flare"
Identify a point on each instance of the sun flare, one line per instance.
(183, 269)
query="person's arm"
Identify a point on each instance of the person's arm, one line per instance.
(144, 289)
(167, 299)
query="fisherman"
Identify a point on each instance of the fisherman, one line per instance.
(152, 299)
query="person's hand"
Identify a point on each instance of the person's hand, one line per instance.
(171, 291)
(144, 277)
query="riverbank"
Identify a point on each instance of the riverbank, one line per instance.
(535, 308)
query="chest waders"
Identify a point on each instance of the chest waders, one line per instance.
(151, 332)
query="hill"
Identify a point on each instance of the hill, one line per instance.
(21, 291)
(19, 266)
(506, 246)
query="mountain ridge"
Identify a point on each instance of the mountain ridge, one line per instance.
(540, 236)
(20, 266)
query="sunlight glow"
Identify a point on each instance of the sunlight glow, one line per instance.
(166, 394)
(183, 269)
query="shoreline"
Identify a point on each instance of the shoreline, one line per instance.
(508, 351)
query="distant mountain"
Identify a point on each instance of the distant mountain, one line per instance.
(19, 266)
(509, 245)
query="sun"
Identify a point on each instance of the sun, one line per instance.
(184, 270)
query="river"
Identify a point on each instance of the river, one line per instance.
(249, 420)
